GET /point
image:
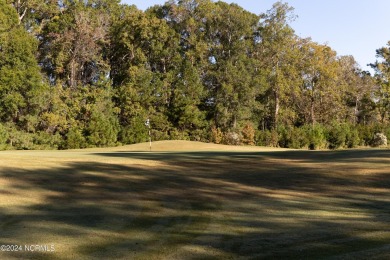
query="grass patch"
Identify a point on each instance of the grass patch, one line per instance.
(209, 202)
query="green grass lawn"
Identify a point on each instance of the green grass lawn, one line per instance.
(196, 201)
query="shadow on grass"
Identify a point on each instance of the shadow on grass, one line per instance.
(310, 156)
(205, 205)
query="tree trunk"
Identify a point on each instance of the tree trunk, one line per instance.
(277, 108)
(312, 109)
(72, 80)
(356, 119)
(312, 114)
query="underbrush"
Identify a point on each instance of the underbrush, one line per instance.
(314, 137)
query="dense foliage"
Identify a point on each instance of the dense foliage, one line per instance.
(76, 74)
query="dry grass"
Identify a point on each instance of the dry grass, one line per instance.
(193, 200)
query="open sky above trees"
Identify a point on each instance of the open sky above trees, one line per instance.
(350, 27)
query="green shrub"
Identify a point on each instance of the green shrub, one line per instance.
(267, 138)
(75, 139)
(158, 135)
(336, 136)
(284, 137)
(299, 138)
(200, 135)
(132, 135)
(352, 139)
(102, 129)
(386, 131)
(19, 140)
(177, 135)
(136, 132)
(316, 136)
(44, 140)
(24, 141)
(365, 134)
(3, 137)
(342, 135)
(292, 137)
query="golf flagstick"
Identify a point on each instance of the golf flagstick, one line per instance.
(147, 123)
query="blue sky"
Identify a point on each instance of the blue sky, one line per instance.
(351, 27)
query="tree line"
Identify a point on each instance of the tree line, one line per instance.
(89, 73)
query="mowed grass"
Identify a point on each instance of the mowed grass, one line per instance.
(189, 200)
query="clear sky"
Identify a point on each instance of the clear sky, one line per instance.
(351, 27)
